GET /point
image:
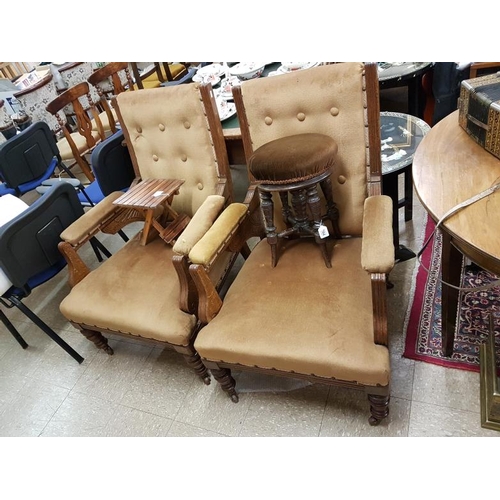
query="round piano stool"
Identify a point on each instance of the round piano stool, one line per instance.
(293, 166)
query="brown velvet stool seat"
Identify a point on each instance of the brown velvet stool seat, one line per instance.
(295, 165)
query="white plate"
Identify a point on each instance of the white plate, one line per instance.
(211, 69)
(307, 65)
(225, 109)
(246, 68)
(213, 79)
(227, 85)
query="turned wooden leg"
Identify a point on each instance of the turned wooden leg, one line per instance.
(98, 339)
(194, 361)
(227, 382)
(286, 211)
(314, 205)
(379, 408)
(267, 206)
(332, 210)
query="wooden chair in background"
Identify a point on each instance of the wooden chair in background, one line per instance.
(81, 142)
(160, 73)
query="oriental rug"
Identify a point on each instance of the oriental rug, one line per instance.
(423, 317)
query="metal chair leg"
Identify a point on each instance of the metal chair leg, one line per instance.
(12, 330)
(45, 328)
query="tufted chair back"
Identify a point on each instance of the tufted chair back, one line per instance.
(168, 134)
(334, 105)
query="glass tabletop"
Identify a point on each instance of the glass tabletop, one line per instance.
(400, 135)
(400, 70)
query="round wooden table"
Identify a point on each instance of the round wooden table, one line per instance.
(449, 168)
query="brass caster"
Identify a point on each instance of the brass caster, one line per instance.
(108, 350)
(374, 421)
(206, 380)
(234, 398)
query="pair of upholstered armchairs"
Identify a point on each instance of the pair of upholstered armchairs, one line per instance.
(300, 318)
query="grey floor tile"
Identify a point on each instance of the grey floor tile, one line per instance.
(179, 429)
(458, 389)
(128, 422)
(31, 409)
(81, 416)
(210, 408)
(402, 373)
(284, 414)
(161, 385)
(347, 413)
(427, 420)
(11, 384)
(109, 377)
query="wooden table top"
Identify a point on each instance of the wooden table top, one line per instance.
(149, 193)
(448, 168)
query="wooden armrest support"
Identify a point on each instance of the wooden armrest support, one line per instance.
(379, 304)
(77, 269)
(209, 301)
(377, 251)
(188, 296)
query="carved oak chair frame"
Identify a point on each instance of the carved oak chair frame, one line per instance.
(227, 340)
(139, 113)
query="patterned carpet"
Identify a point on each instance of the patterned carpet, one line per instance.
(423, 318)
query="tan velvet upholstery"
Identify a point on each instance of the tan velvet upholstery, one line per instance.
(90, 220)
(326, 100)
(204, 251)
(134, 292)
(199, 224)
(300, 316)
(293, 158)
(170, 137)
(104, 120)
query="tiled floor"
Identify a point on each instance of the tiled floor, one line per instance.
(144, 390)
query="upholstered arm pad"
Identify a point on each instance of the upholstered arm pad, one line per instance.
(90, 220)
(205, 251)
(377, 250)
(200, 223)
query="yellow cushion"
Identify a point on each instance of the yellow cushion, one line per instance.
(300, 316)
(104, 120)
(80, 142)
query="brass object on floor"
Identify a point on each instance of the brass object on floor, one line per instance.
(490, 395)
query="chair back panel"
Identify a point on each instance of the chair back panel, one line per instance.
(330, 100)
(27, 156)
(168, 136)
(112, 165)
(28, 243)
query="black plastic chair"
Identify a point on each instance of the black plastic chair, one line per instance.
(112, 165)
(29, 254)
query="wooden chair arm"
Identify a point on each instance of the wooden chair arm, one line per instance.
(379, 304)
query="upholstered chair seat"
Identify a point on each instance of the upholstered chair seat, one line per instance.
(79, 141)
(293, 158)
(103, 117)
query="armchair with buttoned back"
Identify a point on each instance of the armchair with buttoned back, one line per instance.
(300, 318)
(144, 290)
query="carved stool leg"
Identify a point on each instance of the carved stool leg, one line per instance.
(98, 339)
(332, 210)
(194, 361)
(379, 408)
(285, 207)
(314, 204)
(227, 382)
(267, 206)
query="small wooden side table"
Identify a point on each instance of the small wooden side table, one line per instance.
(146, 196)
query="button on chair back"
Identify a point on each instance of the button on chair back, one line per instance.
(29, 254)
